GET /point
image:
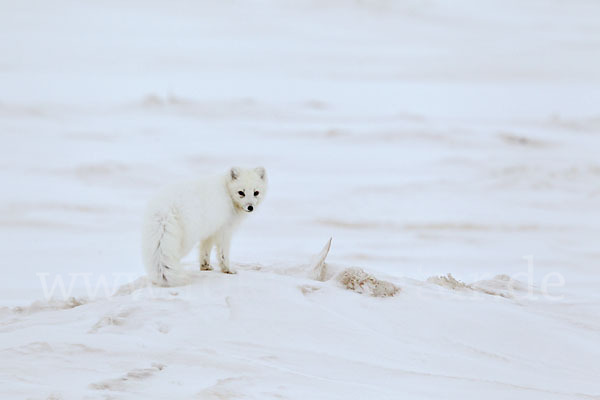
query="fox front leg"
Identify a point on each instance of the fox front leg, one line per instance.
(223, 244)
(204, 250)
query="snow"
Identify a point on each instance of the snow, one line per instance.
(449, 149)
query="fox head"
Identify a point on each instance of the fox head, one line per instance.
(247, 187)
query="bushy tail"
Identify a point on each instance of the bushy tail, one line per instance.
(162, 250)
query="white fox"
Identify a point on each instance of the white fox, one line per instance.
(204, 212)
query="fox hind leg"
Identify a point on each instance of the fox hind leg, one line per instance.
(162, 249)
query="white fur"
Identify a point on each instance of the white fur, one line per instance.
(204, 212)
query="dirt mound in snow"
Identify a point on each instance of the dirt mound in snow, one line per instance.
(40, 305)
(500, 285)
(359, 281)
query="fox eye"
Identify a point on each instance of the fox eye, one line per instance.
(256, 193)
(241, 193)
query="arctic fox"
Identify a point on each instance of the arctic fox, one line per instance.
(203, 212)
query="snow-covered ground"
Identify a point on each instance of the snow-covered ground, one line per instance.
(425, 137)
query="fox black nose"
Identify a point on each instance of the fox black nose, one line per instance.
(250, 208)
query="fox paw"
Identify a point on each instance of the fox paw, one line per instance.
(228, 271)
(206, 267)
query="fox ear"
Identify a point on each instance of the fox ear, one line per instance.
(234, 173)
(261, 172)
